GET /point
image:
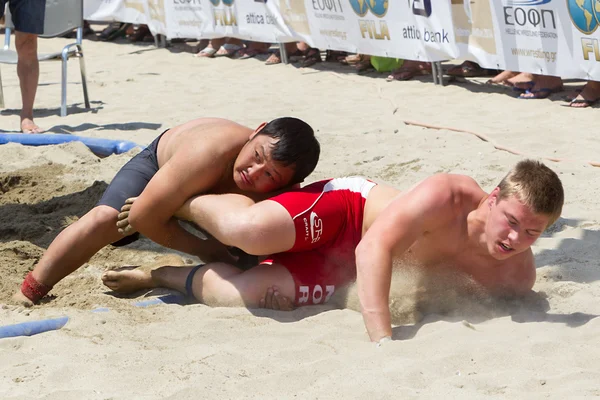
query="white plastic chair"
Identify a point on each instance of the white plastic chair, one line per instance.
(61, 16)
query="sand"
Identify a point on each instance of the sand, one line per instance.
(447, 346)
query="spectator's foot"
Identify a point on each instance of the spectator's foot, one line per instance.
(274, 58)
(364, 66)
(334, 55)
(87, 30)
(246, 53)
(522, 81)
(468, 69)
(544, 86)
(351, 59)
(409, 70)
(503, 78)
(114, 31)
(28, 126)
(227, 50)
(207, 52)
(588, 96)
(140, 33)
(311, 57)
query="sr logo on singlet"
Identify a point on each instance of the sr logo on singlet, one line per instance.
(316, 227)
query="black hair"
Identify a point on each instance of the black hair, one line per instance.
(297, 145)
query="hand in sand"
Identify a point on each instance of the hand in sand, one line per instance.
(123, 218)
(28, 126)
(276, 301)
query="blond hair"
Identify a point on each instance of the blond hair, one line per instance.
(536, 186)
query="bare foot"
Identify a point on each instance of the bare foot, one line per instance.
(28, 126)
(21, 300)
(503, 78)
(544, 86)
(128, 281)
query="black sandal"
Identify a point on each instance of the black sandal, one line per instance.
(312, 57)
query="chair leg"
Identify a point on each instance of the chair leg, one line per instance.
(83, 78)
(1, 93)
(63, 96)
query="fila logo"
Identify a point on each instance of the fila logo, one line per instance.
(316, 227)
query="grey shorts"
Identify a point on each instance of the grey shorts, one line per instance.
(132, 179)
(27, 15)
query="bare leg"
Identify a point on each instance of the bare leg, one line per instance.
(544, 86)
(28, 70)
(523, 80)
(503, 78)
(74, 246)
(235, 220)
(215, 284)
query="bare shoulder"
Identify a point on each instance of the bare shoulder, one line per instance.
(214, 136)
(453, 189)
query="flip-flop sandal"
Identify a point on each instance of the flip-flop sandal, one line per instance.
(468, 69)
(539, 93)
(529, 85)
(334, 55)
(408, 74)
(352, 59)
(274, 58)
(227, 50)
(570, 96)
(312, 57)
(140, 34)
(364, 66)
(503, 84)
(246, 53)
(587, 103)
(207, 52)
(112, 32)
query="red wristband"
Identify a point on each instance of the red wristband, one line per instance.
(34, 290)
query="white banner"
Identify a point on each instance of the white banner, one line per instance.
(553, 37)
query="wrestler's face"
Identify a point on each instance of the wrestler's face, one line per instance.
(254, 169)
(511, 227)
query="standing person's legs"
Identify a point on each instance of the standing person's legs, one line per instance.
(28, 71)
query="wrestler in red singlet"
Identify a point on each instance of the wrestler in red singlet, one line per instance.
(328, 216)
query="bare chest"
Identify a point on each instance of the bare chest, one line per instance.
(448, 251)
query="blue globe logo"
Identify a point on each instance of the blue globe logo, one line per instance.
(228, 2)
(360, 7)
(378, 7)
(215, 2)
(585, 14)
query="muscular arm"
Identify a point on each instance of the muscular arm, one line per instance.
(517, 278)
(188, 172)
(426, 207)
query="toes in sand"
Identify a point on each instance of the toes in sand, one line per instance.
(21, 300)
